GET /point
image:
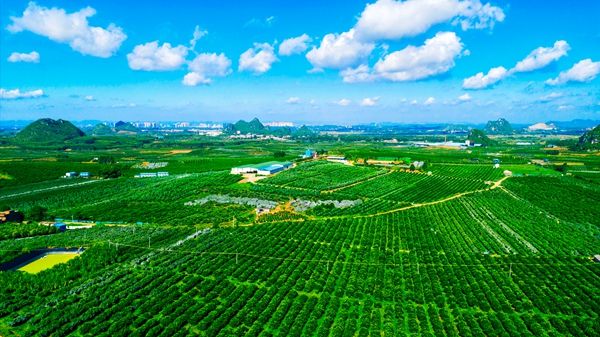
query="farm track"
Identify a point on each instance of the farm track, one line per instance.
(48, 189)
(356, 183)
(496, 184)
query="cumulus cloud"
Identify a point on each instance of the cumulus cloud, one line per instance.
(464, 98)
(541, 57)
(339, 51)
(192, 79)
(481, 81)
(18, 94)
(583, 71)
(429, 101)
(152, 57)
(369, 101)
(293, 100)
(33, 57)
(391, 19)
(343, 102)
(435, 57)
(207, 65)
(71, 28)
(257, 59)
(294, 45)
(537, 59)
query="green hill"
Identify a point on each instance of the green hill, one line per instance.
(589, 140)
(102, 130)
(479, 137)
(303, 131)
(498, 127)
(125, 127)
(47, 130)
(254, 126)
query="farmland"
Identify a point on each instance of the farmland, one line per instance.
(456, 249)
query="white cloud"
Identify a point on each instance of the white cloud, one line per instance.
(390, 19)
(198, 34)
(339, 51)
(362, 73)
(343, 102)
(465, 97)
(369, 101)
(192, 79)
(435, 57)
(18, 94)
(33, 57)
(429, 101)
(583, 71)
(72, 28)
(152, 57)
(294, 45)
(551, 96)
(207, 65)
(481, 81)
(542, 56)
(293, 100)
(89, 98)
(537, 59)
(257, 59)
(414, 102)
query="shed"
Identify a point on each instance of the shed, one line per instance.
(60, 226)
(84, 174)
(597, 258)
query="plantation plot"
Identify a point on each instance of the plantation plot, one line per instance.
(320, 175)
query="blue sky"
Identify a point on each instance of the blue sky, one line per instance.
(300, 61)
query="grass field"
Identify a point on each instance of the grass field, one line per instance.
(47, 261)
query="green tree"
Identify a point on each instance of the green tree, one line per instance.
(38, 213)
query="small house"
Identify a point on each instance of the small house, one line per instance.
(162, 174)
(71, 175)
(84, 174)
(60, 226)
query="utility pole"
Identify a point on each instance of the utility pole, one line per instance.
(236, 258)
(148, 242)
(510, 271)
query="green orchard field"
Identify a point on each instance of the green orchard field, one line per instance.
(458, 248)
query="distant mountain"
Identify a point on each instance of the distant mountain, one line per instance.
(303, 131)
(576, 124)
(243, 127)
(589, 140)
(102, 130)
(498, 127)
(479, 137)
(125, 127)
(47, 130)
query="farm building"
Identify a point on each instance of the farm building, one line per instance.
(338, 159)
(309, 154)
(163, 174)
(11, 216)
(60, 226)
(251, 168)
(146, 175)
(597, 258)
(71, 175)
(84, 174)
(263, 169)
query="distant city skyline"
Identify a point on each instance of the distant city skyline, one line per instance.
(316, 62)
